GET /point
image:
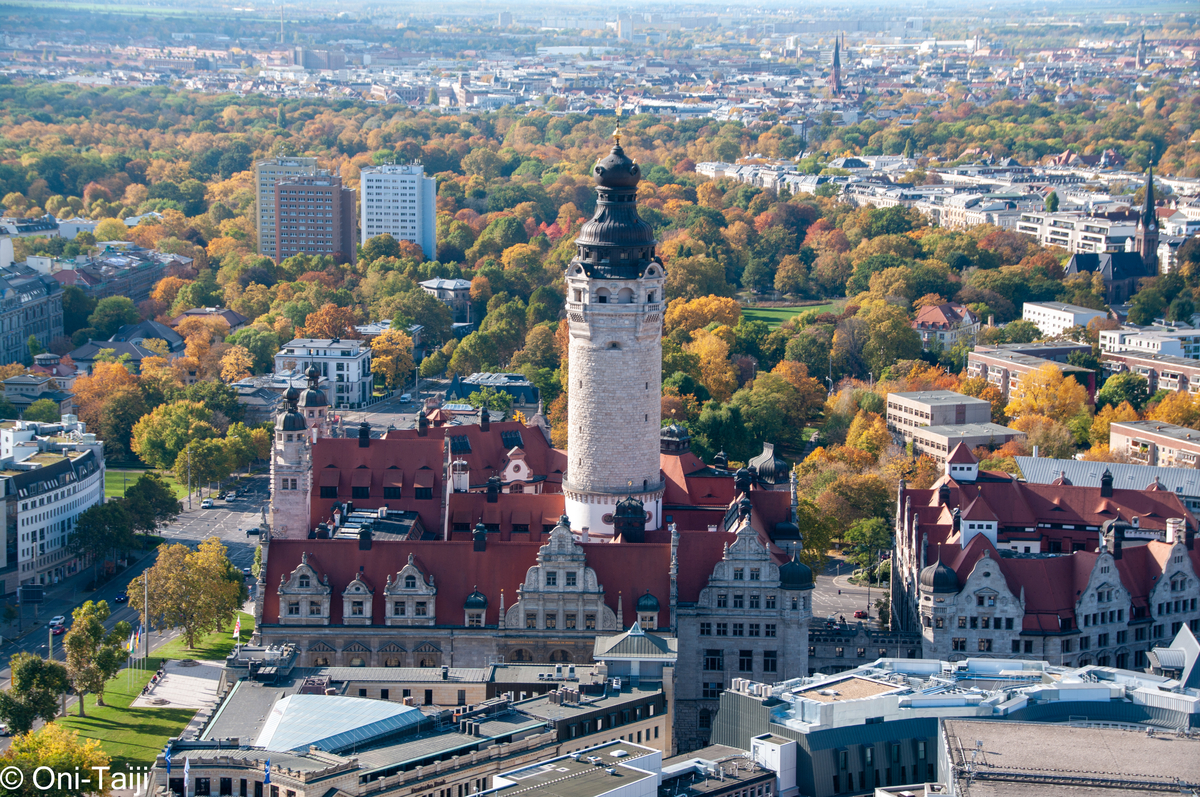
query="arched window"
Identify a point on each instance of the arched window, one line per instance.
(625, 296)
(358, 661)
(517, 487)
(603, 295)
(391, 663)
(320, 661)
(521, 655)
(427, 663)
(560, 656)
(410, 582)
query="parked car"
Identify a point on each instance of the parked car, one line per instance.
(3, 729)
(57, 620)
(405, 398)
(207, 503)
(861, 615)
(254, 532)
(246, 572)
(231, 496)
(122, 598)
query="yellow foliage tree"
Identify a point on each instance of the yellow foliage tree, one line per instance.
(716, 372)
(868, 432)
(391, 356)
(167, 288)
(237, 363)
(1098, 433)
(1052, 438)
(699, 313)
(111, 230)
(59, 749)
(1179, 408)
(1046, 392)
(522, 257)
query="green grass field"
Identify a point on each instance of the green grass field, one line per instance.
(130, 736)
(115, 482)
(775, 316)
(133, 736)
(215, 646)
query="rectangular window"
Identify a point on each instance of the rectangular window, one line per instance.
(570, 578)
(1008, 623)
(739, 574)
(422, 609)
(391, 492)
(769, 629)
(398, 608)
(959, 644)
(356, 608)
(770, 601)
(754, 628)
(329, 492)
(714, 659)
(711, 692)
(294, 609)
(569, 620)
(745, 661)
(722, 602)
(985, 646)
(754, 601)
(770, 661)
(739, 629)
(589, 622)
(314, 609)
(423, 493)
(755, 574)
(722, 629)
(552, 621)
(475, 620)
(551, 579)
(705, 629)
(739, 602)
(360, 492)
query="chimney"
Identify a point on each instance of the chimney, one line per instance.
(493, 489)
(1106, 480)
(445, 673)
(1175, 530)
(422, 425)
(480, 536)
(364, 537)
(1035, 452)
(364, 435)
(485, 419)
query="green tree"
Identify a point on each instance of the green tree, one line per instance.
(1125, 386)
(111, 314)
(43, 410)
(94, 654)
(101, 530)
(867, 537)
(1052, 202)
(206, 461)
(37, 686)
(491, 398)
(817, 531)
(261, 343)
(35, 346)
(159, 437)
(8, 411)
(256, 565)
(77, 307)
(151, 503)
(415, 306)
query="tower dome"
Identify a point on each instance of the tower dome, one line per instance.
(312, 396)
(795, 575)
(290, 419)
(939, 578)
(771, 468)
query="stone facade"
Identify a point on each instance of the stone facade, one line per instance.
(748, 623)
(615, 299)
(983, 619)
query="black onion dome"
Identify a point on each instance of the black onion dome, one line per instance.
(290, 421)
(292, 394)
(618, 170)
(771, 468)
(647, 603)
(939, 578)
(796, 575)
(476, 600)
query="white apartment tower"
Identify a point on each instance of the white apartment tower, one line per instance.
(615, 310)
(266, 174)
(401, 201)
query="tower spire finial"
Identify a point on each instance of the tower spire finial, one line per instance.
(617, 131)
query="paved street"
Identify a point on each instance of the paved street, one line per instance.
(827, 602)
(227, 521)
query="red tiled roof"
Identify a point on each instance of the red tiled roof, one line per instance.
(962, 455)
(527, 509)
(335, 460)
(489, 454)
(942, 316)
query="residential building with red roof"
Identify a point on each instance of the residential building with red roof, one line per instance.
(944, 325)
(988, 565)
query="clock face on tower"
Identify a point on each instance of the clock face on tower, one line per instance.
(1152, 227)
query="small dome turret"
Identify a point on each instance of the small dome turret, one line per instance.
(617, 170)
(647, 603)
(771, 468)
(290, 419)
(795, 575)
(476, 600)
(313, 396)
(939, 578)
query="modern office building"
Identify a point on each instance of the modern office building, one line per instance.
(315, 216)
(1004, 366)
(940, 441)
(266, 174)
(1152, 340)
(1054, 318)
(1155, 443)
(399, 200)
(909, 411)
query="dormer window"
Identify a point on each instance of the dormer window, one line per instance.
(303, 582)
(410, 582)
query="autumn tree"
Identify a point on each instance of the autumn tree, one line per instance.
(716, 372)
(1047, 392)
(237, 363)
(160, 436)
(189, 589)
(330, 322)
(1052, 437)
(94, 654)
(392, 357)
(700, 312)
(1179, 408)
(1108, 415)
(59, 749)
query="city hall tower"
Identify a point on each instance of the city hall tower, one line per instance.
(615, 307)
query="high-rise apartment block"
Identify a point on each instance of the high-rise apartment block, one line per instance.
(315, 216)
(266, 174)
(401, 201)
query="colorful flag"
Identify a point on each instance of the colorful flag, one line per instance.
(267, 771)
(168, 762)
(187, 770)
(237, 628)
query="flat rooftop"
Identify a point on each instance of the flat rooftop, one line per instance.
(1016, 759)
(542, 707)
(1065, 308)
(586, 776)
(968, 430)
(852, 688)
(1181, 433)
(939, 397)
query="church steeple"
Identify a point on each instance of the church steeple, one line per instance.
(1145, 241)
(835, 73)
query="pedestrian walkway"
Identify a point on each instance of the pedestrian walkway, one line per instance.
(184, 684)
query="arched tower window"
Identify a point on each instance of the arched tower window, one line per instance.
(625, 296)
(603, 295)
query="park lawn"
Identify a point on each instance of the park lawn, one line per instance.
(115, 483)
(214, 646)
(130, 736)
(775, 316)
